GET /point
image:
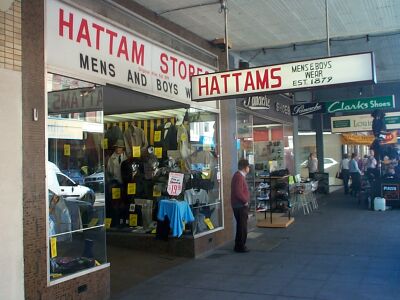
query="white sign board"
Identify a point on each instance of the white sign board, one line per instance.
(356, 123)
(68, 129)
(175, 182)
(286, 77)
(81, 45)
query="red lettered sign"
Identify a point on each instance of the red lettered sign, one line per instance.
(175, 181)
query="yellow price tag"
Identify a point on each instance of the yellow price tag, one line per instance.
(183, 137)
(93, 222)
(133, 220)
(67, 150)
(158, 152)
(97, 263)
(154, 231)
(157, 135)
(53, 247)
(105, 143)
(209, 223)
(108, 223)
(131, 188)
(156, 191)
(291, 180)
(136, 151)
(116, 193)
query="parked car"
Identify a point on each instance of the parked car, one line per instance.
(69, 189)
(328, 162)
(75, 175)
(96, 182)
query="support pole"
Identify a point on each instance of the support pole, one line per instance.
(224, 6)
(328, 46)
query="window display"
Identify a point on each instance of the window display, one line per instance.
(76, 233)
(138, 192)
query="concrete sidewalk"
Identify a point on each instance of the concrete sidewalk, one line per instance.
(340, 251)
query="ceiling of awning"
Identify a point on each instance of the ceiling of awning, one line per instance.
(274, 31)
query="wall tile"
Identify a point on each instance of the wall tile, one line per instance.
(10, 37)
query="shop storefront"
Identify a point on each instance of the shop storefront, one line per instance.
(127, 152)
(357, 137)
(265, 137)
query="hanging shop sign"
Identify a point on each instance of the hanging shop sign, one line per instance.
(353, 139)
(362, 122)
(75, 100)
(384, 102)
(274, 106)
(101, 52)
(257, 102)
(276, 103)
(307, 108)
(287, 77)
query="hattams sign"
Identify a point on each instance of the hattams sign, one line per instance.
(286, 77)
(98, 51)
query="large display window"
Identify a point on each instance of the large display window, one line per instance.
(144, 151)
(76, 232)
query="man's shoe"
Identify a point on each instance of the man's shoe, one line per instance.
(241, 250)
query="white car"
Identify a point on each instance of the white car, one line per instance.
(69, 189)
(328, 162)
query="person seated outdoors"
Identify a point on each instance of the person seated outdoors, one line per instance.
(391, 174)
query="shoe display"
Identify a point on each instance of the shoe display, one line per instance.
(263, 198)
(262, 185)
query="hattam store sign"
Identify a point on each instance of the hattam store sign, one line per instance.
(98, 51)
(287, 77)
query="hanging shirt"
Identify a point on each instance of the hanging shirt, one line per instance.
(183, 140)
(134, 136)
(196, 197)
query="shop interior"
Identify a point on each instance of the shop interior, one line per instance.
(115, 154)
(268, 145)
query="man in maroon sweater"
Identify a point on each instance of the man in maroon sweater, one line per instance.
(240, 197)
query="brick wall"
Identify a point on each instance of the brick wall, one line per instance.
(10, 37)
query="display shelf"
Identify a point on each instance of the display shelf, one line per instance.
(273, 201)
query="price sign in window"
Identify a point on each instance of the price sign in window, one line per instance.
(175, 181)
(157, 135)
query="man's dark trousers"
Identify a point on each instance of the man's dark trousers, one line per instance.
(241, 215)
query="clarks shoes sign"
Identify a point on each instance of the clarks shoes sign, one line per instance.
(384, 102)
(345, 105)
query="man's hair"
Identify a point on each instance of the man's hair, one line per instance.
(243, 163)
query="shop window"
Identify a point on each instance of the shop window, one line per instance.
(153, 145)
(76, 218)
